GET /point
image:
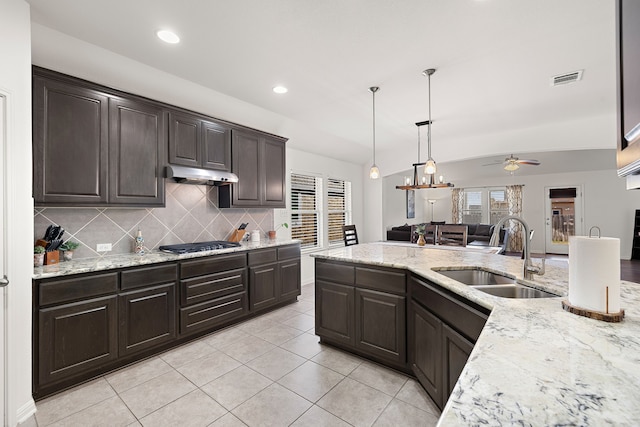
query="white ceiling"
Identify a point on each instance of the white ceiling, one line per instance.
(490, 95)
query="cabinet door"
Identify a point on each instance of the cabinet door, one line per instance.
(289, 279)
(245, 148)
(76, 338)
(70, 131)
(335, 312)
(263, 286)
(425, 354)
(136, 153)
(381, 325)
(273, 173)
(185, 143)
(456, 351)
(147, 318)
(216, 146)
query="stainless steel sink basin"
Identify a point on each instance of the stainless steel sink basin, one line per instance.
(476, 277)
(494, 284)
(514, 290)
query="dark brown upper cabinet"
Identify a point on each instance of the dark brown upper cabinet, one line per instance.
(259, 162)
(70, 140)
(93, 147)
(628, 73)
(136, 155)
(198, 142)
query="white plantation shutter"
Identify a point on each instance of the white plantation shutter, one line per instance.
(305, 209)
(338, 209)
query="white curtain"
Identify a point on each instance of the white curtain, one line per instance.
(457, 203)
(514, 199)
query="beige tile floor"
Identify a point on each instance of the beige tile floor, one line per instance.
(268, 371)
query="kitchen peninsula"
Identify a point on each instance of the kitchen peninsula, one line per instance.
(533, 363)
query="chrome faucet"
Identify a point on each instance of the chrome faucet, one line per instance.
(528, 268)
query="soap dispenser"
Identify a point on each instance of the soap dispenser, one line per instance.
(139, 249)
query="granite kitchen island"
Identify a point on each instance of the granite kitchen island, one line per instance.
(533, 363)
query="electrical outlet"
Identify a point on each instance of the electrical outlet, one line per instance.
(103, 247)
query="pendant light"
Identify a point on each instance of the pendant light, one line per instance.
(430, 166)
(374, 172)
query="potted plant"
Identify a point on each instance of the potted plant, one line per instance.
(272, 233)
(38, 256)
(420, 231)
(67, 249)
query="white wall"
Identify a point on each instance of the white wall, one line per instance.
(15, 83)
(607, 203)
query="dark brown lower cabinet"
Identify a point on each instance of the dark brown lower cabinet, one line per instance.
(289, 271)
(265, 285)
(425, 357)
(443, 328)
(456, 349)
(147, 318)
(381, 324)
(335, 312)
(363, 309)
(76, 337)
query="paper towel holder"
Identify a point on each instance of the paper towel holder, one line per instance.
(598, 315)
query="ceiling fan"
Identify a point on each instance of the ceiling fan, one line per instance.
(513, 163)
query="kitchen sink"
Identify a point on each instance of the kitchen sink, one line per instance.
(476, 277)
(514, 290)
(494, 284)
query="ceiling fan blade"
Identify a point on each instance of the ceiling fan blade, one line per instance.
(529, 162)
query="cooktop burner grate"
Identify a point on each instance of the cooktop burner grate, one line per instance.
(185, 248)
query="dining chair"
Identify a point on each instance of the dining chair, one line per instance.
(453, 235)
(350, 235)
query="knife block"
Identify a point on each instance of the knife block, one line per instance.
(237, 235)
(52, 257)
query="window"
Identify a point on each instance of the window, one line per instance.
(498, 205)
(484, 206)
(338, 209)
(472, 211)
(305, 209)
(318, 213)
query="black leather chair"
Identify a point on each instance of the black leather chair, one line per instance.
(350, 235)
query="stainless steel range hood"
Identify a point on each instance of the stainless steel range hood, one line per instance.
(187, 175)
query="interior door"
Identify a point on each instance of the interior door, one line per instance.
(563, 217)
(3, 252)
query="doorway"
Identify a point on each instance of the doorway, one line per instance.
(563, 213)
(3, 261)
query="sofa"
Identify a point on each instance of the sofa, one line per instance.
(478, 234)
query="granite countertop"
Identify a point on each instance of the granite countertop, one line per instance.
(534, 363)
(87, 265)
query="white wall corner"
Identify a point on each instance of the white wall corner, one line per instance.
(26, 411)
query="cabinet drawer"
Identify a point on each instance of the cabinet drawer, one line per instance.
(460, 315)
(288, 252)
(334, 272)
(209, 314)
(214, 264)
(64, 290)
(139, 277)
(203, 288)
(382, 280)
(263, 256)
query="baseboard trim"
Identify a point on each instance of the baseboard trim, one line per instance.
(26, 411)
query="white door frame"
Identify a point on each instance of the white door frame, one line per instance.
(3, 261)
(579, 218)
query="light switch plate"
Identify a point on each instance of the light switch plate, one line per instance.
(103, 247)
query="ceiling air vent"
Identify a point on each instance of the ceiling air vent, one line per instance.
(564, 79)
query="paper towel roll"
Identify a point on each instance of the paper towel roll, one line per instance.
(594, 264)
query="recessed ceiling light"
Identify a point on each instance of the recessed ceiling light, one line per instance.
(168, 36)
(280, 89)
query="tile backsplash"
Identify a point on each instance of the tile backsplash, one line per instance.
(191, 215)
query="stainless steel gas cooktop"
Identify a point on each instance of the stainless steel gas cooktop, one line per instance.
(198, 246)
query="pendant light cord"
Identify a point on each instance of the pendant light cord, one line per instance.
(429, 127)
(373, 91)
